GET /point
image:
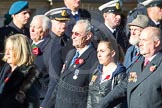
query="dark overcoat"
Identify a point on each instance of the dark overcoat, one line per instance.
(72, 91)
(18, 88)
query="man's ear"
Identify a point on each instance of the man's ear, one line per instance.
(157, 43)
(89, 35)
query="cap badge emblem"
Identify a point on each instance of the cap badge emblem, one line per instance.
(117, 5)
(63, 13)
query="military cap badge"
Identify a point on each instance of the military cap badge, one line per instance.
(117, 5)
(64, 13)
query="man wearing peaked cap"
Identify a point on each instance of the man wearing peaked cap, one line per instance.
(59, 14)
(113, 27)
(19, 12)
(152, 3)
(154, 12)
(136, 27)
(112, 6)
(59, 18)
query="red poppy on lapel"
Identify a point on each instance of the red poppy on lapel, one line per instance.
(36, 51)
(107, 77)
(6, 80)
(79, 61)
(153, 68)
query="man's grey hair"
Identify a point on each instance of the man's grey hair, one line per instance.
(88, 26)
(46, 22)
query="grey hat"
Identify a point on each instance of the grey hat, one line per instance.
(140, 21)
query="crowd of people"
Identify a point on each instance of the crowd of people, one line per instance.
(64, 61)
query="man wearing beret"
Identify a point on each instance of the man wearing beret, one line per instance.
(19, 12)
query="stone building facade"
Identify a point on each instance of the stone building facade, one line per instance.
(41, 6)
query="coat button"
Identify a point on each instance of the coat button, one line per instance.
(139, 94)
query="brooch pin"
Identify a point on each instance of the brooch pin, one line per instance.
(76, 73)
(153, 68)
(132, 77)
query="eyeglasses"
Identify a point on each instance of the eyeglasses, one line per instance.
(77, 34)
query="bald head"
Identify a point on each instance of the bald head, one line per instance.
(150, 41)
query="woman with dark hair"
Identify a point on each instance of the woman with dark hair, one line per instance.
(106, 75)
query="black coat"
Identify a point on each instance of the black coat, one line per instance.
(120, 35)
(50, 63)
(98, 90)
(9, 30)
(18, 88)
(72, 92)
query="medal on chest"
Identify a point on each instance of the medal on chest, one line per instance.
(76, 73)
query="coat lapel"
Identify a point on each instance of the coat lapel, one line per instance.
(73, 67)
(43, 44)
(146, 72)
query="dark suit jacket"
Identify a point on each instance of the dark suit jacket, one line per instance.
(71, 92)
(50, 64)
(120, 38)
(20, 79)
(82, 14)
(142, 91)
(9, 30)
(54, 66)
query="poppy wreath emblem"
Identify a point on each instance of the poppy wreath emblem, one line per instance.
(132, 77)
(153, 68)
(35, 50)
(79, 61)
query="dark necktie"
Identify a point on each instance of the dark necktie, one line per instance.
(158, 25)
(76, 16)
(114, 34)
(74, 58)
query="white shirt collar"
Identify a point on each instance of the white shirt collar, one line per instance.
(83, 50)
(36, 43)
(112, 30)
(74, 13)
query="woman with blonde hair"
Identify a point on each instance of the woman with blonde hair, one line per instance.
(18, 75)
